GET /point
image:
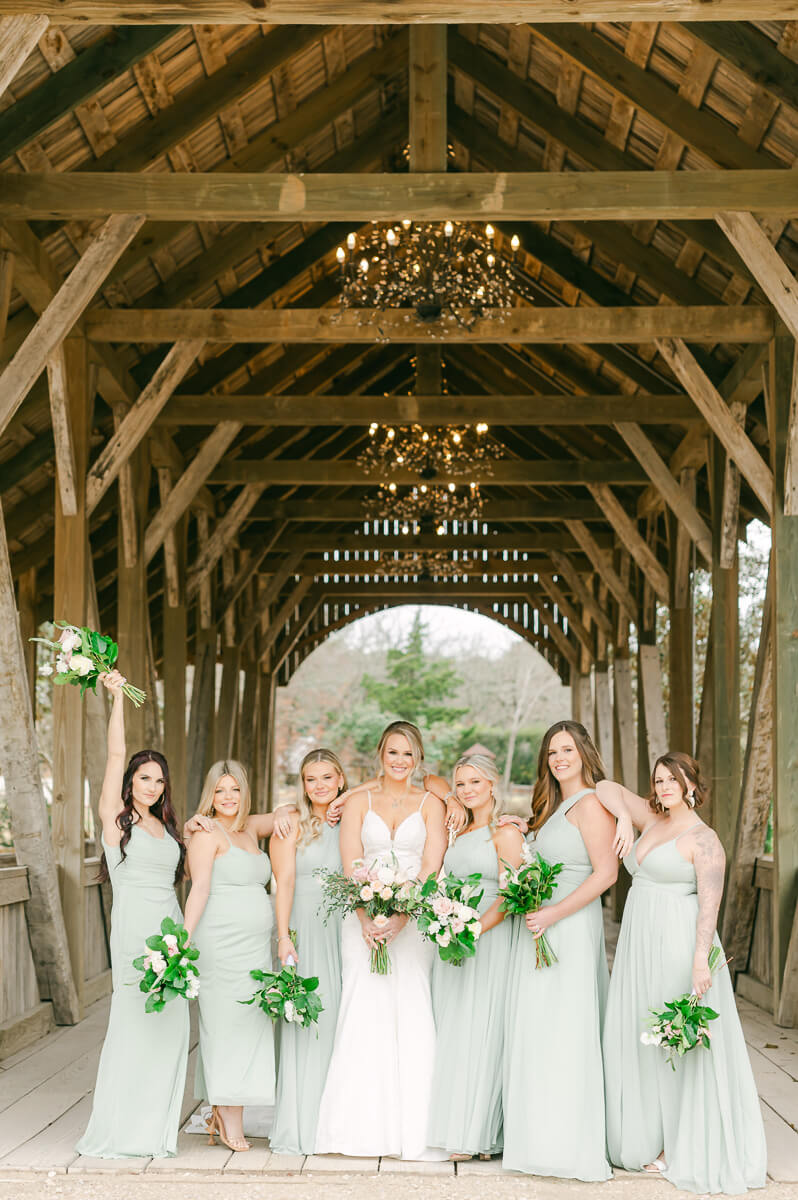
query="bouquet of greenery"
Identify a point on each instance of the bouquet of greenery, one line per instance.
(448, 915)
(380, 890)
(683, 1024)
(524, 889)
(169, 966)
(84, 655)
(286, 996)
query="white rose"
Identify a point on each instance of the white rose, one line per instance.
(386, 875)
(81, 664)
(444, 938)
(434, 927)
(157, 962)
(386, 893)
(475, 927)
(63, 664)
(170, 941)
(289, 1011)
(193, 987)
(366, 893)
(457, 925)
(70, 639)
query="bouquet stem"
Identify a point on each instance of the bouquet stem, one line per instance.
(544, 955)
(380, 960)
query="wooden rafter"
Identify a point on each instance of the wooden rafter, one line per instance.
(18, 36)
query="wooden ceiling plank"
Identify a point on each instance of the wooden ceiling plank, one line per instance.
(63, 311)
(18, 36)
(479, 196)
(717, 414)
(700, 323)
(766, 264)
(751, 52)
(504, 472)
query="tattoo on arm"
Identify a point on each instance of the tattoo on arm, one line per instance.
(710, 868)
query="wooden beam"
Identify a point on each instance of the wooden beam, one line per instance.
(521, 410)
(6, 288)
(505, 472)
(514, 512)
(602, 564)
(59, 389)
(730, 508)
(583, 594)
(428, 196)
(30, 827)
(428, 69)
(187, 486)
(791, 452)
(18, 36)
(270, 593)
(766, 264)
(380, 12)
(718, 416)
(492, 543)
(283, 614)
(138, 419)
(63, 311)
(629, 536)
(222, 536)
(248, 570)
(673, 495)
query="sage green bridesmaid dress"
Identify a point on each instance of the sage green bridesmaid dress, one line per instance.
(304, 1054)
(140, 1081)
(468, 1002)
(235, 1064)
(553, 1075)
(705, 1115)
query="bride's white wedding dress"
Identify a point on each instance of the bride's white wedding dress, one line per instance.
(376, 1098)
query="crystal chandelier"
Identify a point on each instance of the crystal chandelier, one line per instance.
(425, 564)
(445, 458)
(448, 270)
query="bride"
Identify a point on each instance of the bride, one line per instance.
(377, 1094)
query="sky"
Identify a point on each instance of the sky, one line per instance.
(448, 629)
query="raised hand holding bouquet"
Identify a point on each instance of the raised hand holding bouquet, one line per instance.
(380, 890)
(448, 915)
(169, 966)
(286, 996)
(524, 889)
(83, 656)
(683, 1024)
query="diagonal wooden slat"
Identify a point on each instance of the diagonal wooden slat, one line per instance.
(18, 36)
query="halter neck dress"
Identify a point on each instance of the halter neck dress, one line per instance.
(705, 1115)
(304, 1054)
(377, 1096)
(553, 1074)
(141, 1077)
(468, 1002)
(235, 1064)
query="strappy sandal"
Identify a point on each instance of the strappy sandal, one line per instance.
(216, 1125)
(457, 1157)
(656, 1167)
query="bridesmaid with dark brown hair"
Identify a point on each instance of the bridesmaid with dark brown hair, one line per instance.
(142, 1071)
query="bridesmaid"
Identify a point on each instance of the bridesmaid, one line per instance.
(700, 1125)
(467, 1084)
(305, 1054)
(229, 916)
(553, 1078)
(139, 1089)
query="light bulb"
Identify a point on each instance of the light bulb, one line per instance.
(490, 260)
(391, 487)
(400, 458)
(423, 489)
(406, 224)
(373, 427)
(340, 254)
(451, 487)
(448, 229)
(425, 436)
(489, 231)
(350, 241)
(515, 242)
(456, 439)
(391, 434)
(391, 237)
(364, 265)
(441, 530)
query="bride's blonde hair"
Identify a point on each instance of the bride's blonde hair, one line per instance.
(310, 826)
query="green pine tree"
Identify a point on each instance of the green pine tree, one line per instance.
(417, 686)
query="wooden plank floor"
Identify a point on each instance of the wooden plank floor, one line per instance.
(45, 1099)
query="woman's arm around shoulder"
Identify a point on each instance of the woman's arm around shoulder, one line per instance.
(626, 806)
(434, 815)
(351, 840)
(263, 825)
(202, 852)
(509, 843)
(282, 852)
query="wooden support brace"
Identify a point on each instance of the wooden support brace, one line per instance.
(270, 593)
(730, 519)
(63, 311)
(6, 287)
(601, 563)
(62, 431)
(572, 577)
(765, 263)
(18, 36)
(283, 614)
(222, 536)
(629, 536)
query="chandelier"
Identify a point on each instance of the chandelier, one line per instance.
(443, 270)
(426, 564)
(445, 458)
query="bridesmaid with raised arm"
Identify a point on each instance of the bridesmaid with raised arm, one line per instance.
(139, 1089)
(229, 917)
(304, 1055)
(700, 1125)
(466, 1107)
(553, 1077)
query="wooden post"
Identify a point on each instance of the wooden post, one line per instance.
(725, 677)
(19, 760)
(623, 696)
(132, 593)
(69, 713)
(265, 743)
(581, 697)
(784, 568)
(249, 710)
(680, 646)
(201, 716)
(27, 627)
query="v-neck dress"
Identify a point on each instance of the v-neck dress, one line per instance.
(142, 1073)
(705, 1115)
(235, 1064)
(553, 1076)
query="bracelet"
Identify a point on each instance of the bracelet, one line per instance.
(285, 938)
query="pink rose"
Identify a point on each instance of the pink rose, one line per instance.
(366, 893)
(360, 874)
(457, 925)
(381, 920)
(386, 893)
(442, 906)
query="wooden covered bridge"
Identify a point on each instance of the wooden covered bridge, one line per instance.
(184, 403)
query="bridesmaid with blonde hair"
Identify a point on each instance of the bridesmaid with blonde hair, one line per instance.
(303, 939)
(466, 1107)
(553, 1076)
(229, 917)
(700, 1126)
(139, 1089)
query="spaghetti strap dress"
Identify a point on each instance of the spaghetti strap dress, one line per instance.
(705, 1115)
(468, 1002)
(235, 1064)
(553, 1074)
(140, 1081)
(304, 1054)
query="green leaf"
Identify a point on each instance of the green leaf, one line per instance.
(156, 942)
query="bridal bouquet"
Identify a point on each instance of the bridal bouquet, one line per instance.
(286, 996)
(84, 655)
(683, 1024)
(448, 915)
(169, 966)
(524, 889)
(380, 890)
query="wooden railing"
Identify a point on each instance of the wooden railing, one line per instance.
(755, 982)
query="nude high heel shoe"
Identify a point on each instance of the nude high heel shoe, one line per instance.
(216, 1125)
